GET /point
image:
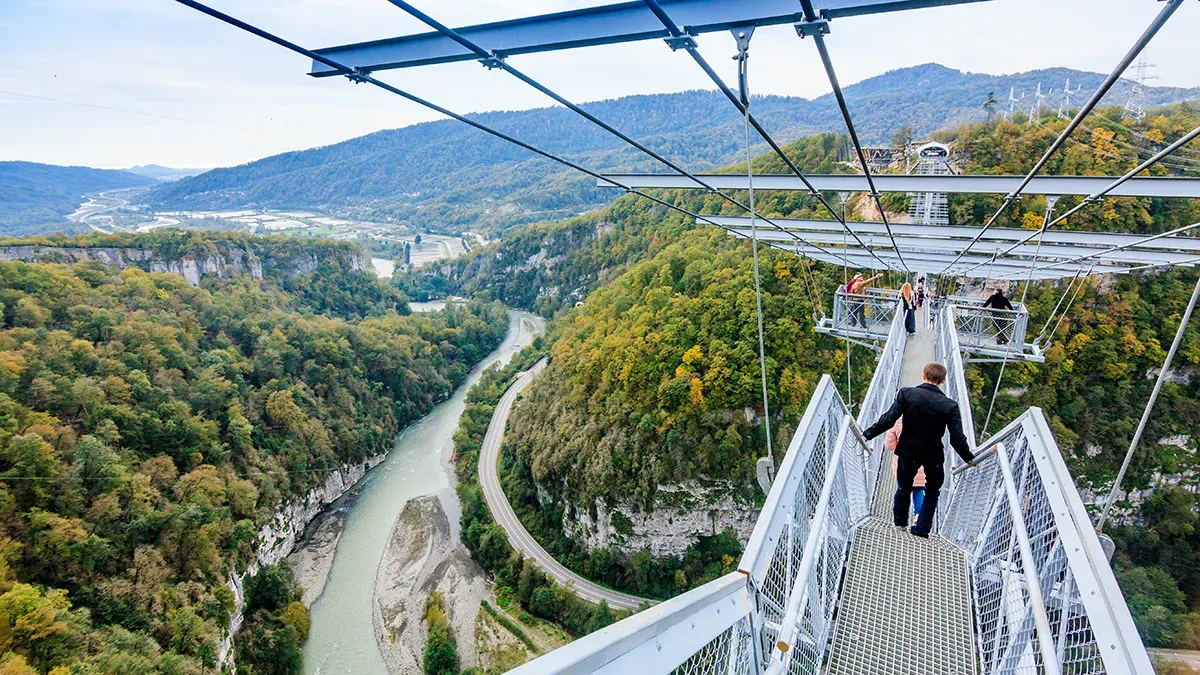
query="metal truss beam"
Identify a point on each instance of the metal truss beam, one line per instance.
(1027, 253)
(1041, 185)
(592, 26)
(998, 234)
(929, 263)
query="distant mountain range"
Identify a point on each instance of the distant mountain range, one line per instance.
(163, 173)
(36, 198)
(446, 176)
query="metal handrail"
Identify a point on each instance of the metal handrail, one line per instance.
(1033, 584)
(1022, 524)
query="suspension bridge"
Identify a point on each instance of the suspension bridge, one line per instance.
(1016, 578)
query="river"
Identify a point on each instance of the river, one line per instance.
(342, 635)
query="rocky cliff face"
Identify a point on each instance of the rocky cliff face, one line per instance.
(228, 261)
(683, 513)
(277, 538)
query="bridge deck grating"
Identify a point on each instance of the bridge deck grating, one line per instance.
(905, 607)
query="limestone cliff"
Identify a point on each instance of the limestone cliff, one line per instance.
(224, 261)
(278, 537)
(681, 515)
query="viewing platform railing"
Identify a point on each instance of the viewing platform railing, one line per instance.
(866, 315)
(993, 334)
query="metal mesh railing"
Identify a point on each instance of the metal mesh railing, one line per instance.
(871, 312)
(980, 327)
(796, 556)
(730, 653)
(1044, 595)
(948, 352)
(882, 392)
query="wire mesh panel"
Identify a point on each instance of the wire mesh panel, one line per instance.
(730, 653)
(1082, 632)
(948, 351)
(870, 312)
(881, 394)
(980, 327)
(820, 493)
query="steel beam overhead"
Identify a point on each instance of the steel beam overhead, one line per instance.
(933, 263)
(592, 26)
(1041, 185)
(1056, 253)
(1159, 21)
(997, 234)
(680, 40)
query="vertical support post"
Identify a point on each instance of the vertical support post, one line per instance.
(1033, 583)
(1141, 427)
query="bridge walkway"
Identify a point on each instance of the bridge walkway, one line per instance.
(905, 607)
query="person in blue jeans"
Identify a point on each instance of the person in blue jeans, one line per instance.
(889, 443)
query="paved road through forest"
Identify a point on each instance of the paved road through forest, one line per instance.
(489, 478)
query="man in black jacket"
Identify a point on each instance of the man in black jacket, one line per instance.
(998, 301)
(927, 413)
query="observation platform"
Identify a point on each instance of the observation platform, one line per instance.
(1013, 580)
(984, 334)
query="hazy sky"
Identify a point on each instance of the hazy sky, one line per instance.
(114, 83)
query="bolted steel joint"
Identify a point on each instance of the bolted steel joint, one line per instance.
(677, 42)
(359, 76)
(812, 28)
(492, 62)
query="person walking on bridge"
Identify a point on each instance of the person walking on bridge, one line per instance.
(928, 414)
(908, 303)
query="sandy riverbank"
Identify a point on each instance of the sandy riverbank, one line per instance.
(312, 559)
(420, 558)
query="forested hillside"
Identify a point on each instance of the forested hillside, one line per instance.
(34, 197)
(148, 428)
(652, 374)
(444, 176)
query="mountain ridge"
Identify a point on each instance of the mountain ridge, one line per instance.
(444, 176)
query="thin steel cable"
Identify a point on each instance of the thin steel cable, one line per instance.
(491, 60)
(1074, 296)
(1054, 312)
(362, 76)
(1137, 435)
(762, 353)
(693, 51)
(811, 15)
(1142, 41)
(1024, 293)
(1098, 196)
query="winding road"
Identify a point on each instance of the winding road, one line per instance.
(489, 478)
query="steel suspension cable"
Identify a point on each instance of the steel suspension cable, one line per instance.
(359, 75)
(1098, 196)
(743, 66)
(1054, 312)
(681, 40)
(1050, 201)
(1141, 427)
(819, 39)
(491, 60)
(1142, 41)
(1074, 296)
